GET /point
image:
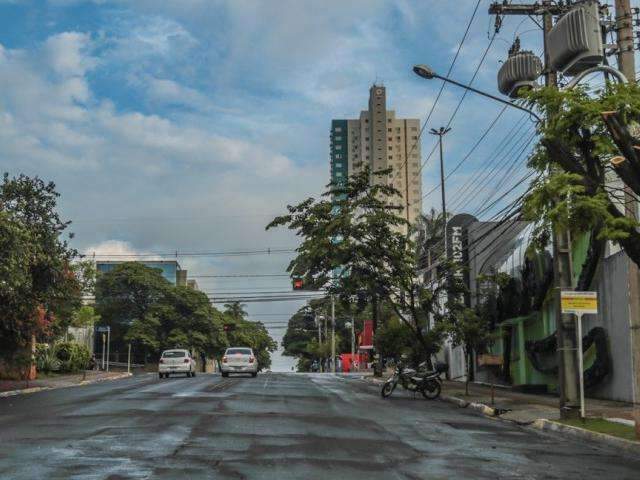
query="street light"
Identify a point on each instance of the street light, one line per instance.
(427, 73)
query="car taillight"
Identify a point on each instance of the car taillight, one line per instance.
(251, 359)
(186, 360)
(161, 361)
(224, 359)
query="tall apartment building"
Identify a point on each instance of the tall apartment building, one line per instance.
(380, 140)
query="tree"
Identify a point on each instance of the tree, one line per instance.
(181, 318)
(355, 229)
(253, 335)
(473, 332)
(85, 317)
(576, 150)
(38, 290)
(130, 293)
(235, 310)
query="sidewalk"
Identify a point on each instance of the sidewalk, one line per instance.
(16, 387)
(526, 408)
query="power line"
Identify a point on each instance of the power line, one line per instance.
(491, 159)
(464, 95)
(176, 253)
(435, 102)
(495, 170)
(241, 275)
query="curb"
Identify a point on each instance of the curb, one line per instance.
(26, 391)
(582, 434)
(479, 407)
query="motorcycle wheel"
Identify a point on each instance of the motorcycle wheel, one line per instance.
(431, 390)
(387, 389)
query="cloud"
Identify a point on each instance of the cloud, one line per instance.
(112, 247)
(66, 54)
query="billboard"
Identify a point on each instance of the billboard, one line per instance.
(458, 247)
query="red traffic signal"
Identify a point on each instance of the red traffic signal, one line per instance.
(298, 284)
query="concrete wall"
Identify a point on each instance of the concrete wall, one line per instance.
(611, 284)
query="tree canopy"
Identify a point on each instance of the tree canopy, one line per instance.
(353, 241)
(39, 290)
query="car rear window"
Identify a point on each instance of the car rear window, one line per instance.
(235, 351)
(176, 354)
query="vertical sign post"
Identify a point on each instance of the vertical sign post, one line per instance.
(104, 342)
(579, 303)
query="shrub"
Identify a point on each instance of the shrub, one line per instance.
(46, 360)
(72, 356)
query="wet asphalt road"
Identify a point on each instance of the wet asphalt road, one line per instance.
(275, 426)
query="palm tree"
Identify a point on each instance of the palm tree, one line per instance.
(429, 236)
(235, 310)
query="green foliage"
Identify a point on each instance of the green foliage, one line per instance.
(356, 229)
(254, 335)
(572, 192)
(46, 359)
(128, 295)
(235, 310)
(72, 356)
(85, 316)
(39, 290)
(471, 331)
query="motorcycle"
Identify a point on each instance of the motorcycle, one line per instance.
(426, 382)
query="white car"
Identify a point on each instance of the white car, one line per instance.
(239, 360)
(176, 361)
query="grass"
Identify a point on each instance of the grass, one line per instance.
(600, 425)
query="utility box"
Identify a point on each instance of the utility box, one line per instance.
(575, 41)
(521, 69)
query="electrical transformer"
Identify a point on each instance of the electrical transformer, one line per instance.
(521, 69)
(575, 41)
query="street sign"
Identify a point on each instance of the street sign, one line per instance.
(579, 303)
(103, 329)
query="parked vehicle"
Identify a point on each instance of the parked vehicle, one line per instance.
(422, 380)
(176, 361)
(239, 360)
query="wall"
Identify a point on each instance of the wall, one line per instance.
(611, 285)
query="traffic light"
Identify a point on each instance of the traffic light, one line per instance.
(298, 284)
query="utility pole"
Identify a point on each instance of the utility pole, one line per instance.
(333, 333)
(626, 64)
(562, 268)
(441, 132)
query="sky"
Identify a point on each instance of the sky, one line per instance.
(187, 125)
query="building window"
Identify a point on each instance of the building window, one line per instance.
(338, 155)
(389, 129)
(367, 157)
(366, 139)
(390, 147)
(338, 147)
(390, 157)
(337, 129)
(338, 138)
(398, 139)
(398, 129)
(366, 120)
(414, 129)
(367, 147)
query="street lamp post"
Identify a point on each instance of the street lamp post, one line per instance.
(427, 73)
(441, 132)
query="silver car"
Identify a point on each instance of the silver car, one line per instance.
(239, 360)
